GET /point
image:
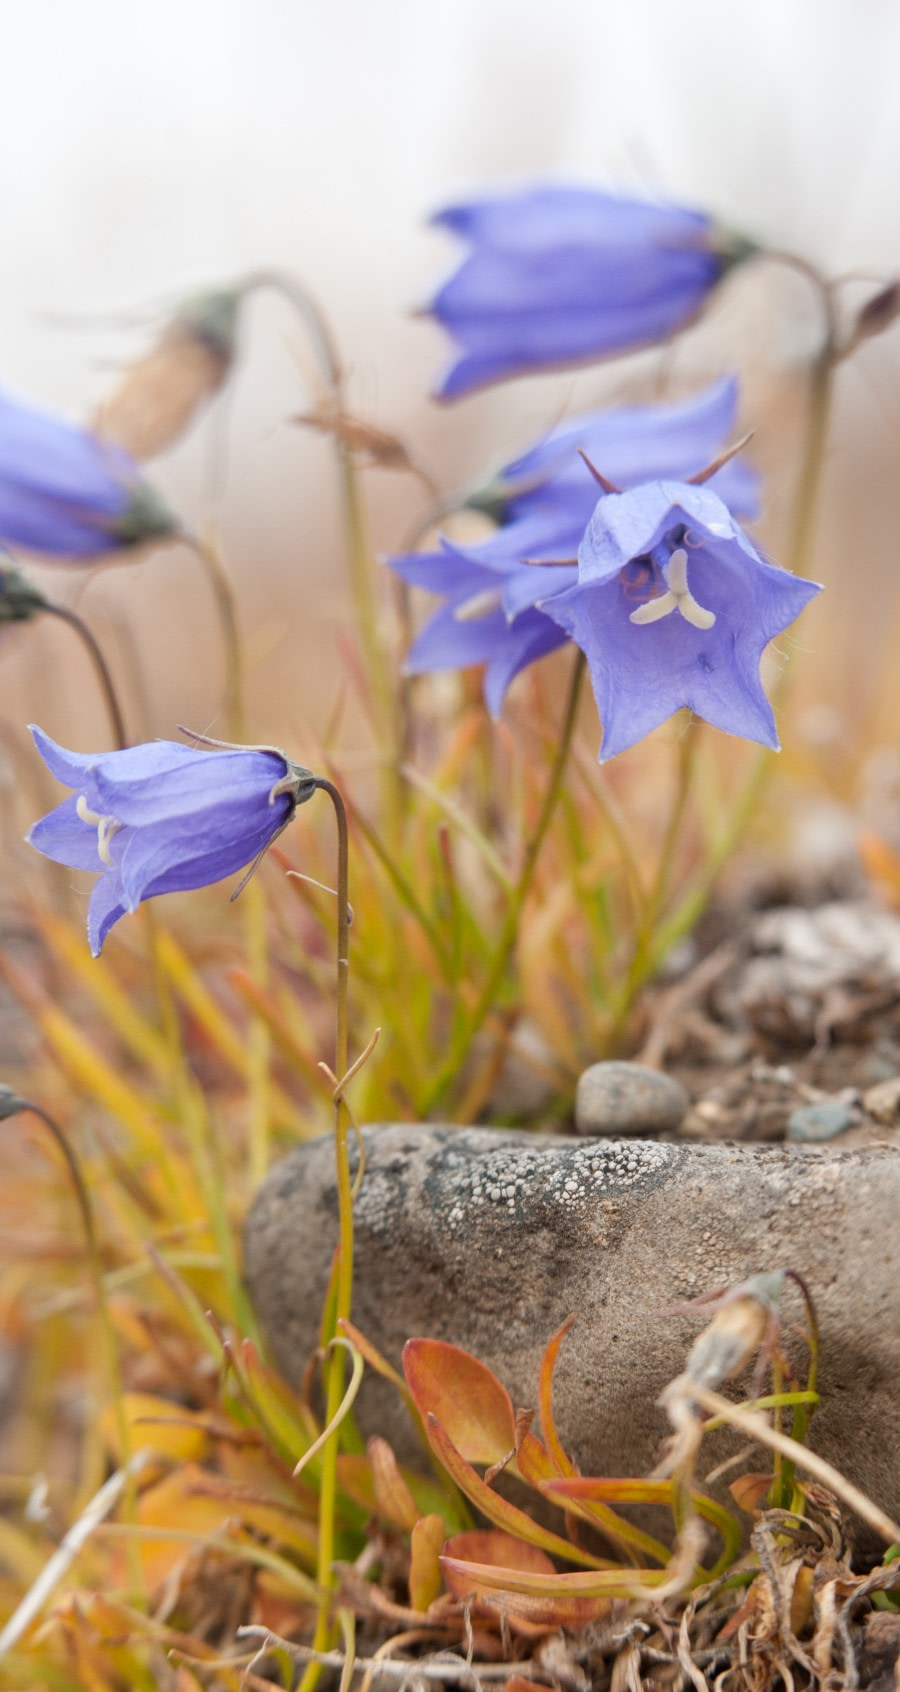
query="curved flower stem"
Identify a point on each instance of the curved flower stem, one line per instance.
(820, 398)
(336, 1366)
(470, 1026)
(101, 668)
(208, 554)
(359, 553)
(10, 1105)
(818, 415)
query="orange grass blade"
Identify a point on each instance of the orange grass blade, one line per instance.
(563, 1462)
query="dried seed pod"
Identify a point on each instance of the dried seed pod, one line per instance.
(160, 395)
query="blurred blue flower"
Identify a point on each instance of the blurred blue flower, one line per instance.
(543, 502)
(560, 276)
(163, 818)
(673, 605)
(68, 494)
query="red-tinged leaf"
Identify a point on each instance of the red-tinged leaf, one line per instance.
(500, 1550)
(481, 1579)
(518, 1683)
(586, 1497)
(425, 1575)
(508, 1556)
(589, 1493)
(625, 1489)
(533, 1461)
(562, 1462)
(497, 1509)
(468, 1401)
(394, 1501)
(356, 1479)
(750, 1492)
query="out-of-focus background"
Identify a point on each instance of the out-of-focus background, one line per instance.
(153, 150)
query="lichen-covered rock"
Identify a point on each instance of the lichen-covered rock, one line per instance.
(491, 1239)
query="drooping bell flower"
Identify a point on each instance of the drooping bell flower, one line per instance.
(543, 502)
(164, 818)
(558, 276)
(67, 494)
(673, 606)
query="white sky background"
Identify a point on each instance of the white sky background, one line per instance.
(152, 148)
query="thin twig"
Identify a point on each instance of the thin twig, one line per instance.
(450, 1669)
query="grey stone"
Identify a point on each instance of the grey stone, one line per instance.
(490, 1239)
(816, 1122)
(628, 1098)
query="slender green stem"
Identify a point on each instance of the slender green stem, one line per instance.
(645, 953)
(101, 668)
(259, 1043)
(336, 1366)
(470, 1025)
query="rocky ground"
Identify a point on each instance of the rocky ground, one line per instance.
(761, 1131)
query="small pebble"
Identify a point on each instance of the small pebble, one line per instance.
(628, 1098)
(883, 1100)
(823, 1121)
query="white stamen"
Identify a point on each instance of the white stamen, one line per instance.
(107, 828)
(81, 807)
(478, 606)
(678, 598)
(654, 609)
(694, 613)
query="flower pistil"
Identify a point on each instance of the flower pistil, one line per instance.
(676, 596)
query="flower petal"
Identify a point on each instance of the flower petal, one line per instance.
(50, 455)
(106, 907)
(66, 838)
(560, 275)
(448, 643)
(530, 637)
(166, 780)
(176, 857)
(71, 768)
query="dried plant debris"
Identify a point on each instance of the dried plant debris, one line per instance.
(789, 1030)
